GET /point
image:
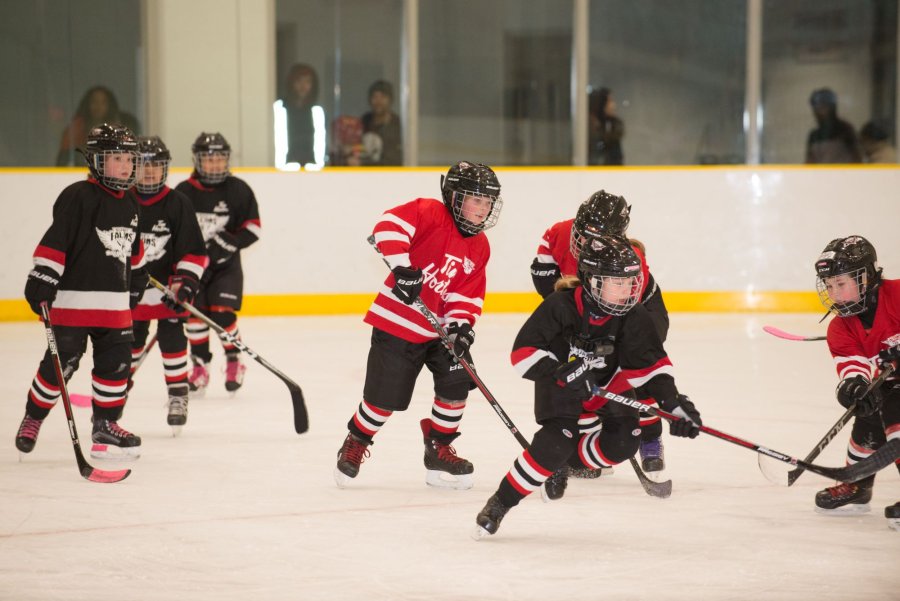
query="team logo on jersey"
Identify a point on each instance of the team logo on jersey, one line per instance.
(468, 265)
(211, 224)
(439, 279)
(117, 241)
(221, 207)
(154, 246)
(591, 360)
(160, 226)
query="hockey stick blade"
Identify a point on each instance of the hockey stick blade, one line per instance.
(301, 417)
(778, 333)
(662, 490)
(86, 470)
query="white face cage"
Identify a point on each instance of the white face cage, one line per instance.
(480, 215)
(843, 294)
(151, 174)
(117, 162)
(209, 176)
(576, 243)
(615, 295)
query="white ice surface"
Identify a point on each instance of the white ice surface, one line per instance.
(239, 507)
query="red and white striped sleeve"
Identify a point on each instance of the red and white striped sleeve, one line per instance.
(849, 355)
(394, 232)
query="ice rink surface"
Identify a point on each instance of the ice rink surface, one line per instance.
(239, 507)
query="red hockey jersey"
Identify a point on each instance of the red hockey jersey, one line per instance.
(422, 234)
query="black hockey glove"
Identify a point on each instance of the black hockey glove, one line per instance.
(407, 283)
(853, 390)
(185, 288)
(574, 374)
(462, 336)
(41, 287)
(221, 247)
(139, 281)
(544, 276)
(890, 354)
(689, 424)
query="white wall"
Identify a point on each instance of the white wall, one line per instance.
(706, 229)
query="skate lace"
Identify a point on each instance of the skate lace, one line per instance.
(355, 451)
(843, 489)
(178, 404)
(446, 452)
(116, 430)
(29, 428)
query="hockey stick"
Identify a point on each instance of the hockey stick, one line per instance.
(839, 424)
(656, 489)
(788, 336)
(87, 470)
(886, 455)
(301, 418)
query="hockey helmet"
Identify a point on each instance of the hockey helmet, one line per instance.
(152, 152)
(855, 259)
(211, 145)
(610, 271)
(602, 213)
(106, 140)
(471, 179)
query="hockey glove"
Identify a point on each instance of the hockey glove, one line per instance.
(689, 424)
(407, 283)
(185, 288)
(139, 281)
(41, 287)
(853, 390)
(574, 374)
(892, 353)
(462, 335)
(544, 276)
(221, 248)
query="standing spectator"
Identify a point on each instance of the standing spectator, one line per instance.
(98, 105)
(304, 118)
(834, 140)
(605, 130)
(382, 138)
(875, 141)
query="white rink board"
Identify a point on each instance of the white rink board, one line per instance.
(706, 229)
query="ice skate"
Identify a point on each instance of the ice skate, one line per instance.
(111, 441)
(845, 498)
(555, 486)
(892, 513)
(489, 518)
(198, 379)
(27, 435)
(652, 459)
(352, 453)
(589, 473)
(178, 412)
(234, 373)
(444, 468)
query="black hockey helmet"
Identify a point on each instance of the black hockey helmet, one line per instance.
(855, 257)
(213, 144)
(602, 213)
(104, 140)
(610, 262)
(472, 179)
(152, 152)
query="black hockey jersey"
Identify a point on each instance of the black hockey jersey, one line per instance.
(626, 351)
(230, 207)
(173, 244)
(92, 245)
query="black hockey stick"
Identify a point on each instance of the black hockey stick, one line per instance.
(87, 470)
(656, 489)
(301, 418)
(886, 455)
(445, 339)
(778, 333)
(839, 424)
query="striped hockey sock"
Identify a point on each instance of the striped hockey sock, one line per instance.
(445, 417)
(525, 477)
(368, 419)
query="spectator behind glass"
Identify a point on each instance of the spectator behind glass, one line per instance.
(834, 140)
(382, 139)
(875, 140)
(299, 121)
(605, 130)
(98, 105)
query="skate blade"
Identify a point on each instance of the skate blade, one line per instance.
(846, 510)
(108, 451)
(176, 431)
(341, 479)
(656, 476)
(894, 524)
(480, 533)
(197, 394)
(439, 479)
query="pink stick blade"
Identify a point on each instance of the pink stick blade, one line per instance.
(788, 336)
(80, 400)
(107, 477)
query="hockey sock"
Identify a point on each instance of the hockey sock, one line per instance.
(614, 444)
(525, 477)
(651, 425)
(551, 447)
(175, 366)
(445, 418)
(227, 320)
(198, 335)
(42, 396)
(588, 422)
(368, 420)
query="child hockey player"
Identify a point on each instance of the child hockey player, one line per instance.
(229, 219)
(595, 334)
(175, 252)
(438, 250)
(557, 256)
(866, 329)
(86, 267)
